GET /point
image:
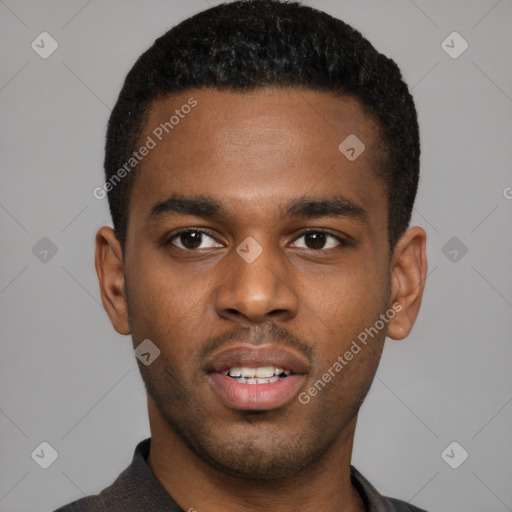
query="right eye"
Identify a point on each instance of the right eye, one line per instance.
(192, 239)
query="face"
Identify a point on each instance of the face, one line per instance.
(256, 254)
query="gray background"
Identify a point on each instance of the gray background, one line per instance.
(67, 378)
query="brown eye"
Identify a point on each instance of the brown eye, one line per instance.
(193, 239)
(317, 240)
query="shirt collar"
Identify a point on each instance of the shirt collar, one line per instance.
(140, 485)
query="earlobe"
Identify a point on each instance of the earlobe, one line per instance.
(408, 275)
(109, 268)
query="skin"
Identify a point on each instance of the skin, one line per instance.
(255, 152)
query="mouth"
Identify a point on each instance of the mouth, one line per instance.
(257, 378)
(260, 375)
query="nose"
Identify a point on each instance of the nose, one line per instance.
(254, 291)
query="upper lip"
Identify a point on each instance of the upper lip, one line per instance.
(254, 357)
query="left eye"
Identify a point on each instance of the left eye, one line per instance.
(318, 240)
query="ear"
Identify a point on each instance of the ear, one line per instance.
(109, 268)
(408, 275)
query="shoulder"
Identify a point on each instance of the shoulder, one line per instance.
(89, 504)
(402, 506)
(113, 498)
(136, 489)
(376, 502)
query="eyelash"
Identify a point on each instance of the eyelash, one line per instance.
(342, 242)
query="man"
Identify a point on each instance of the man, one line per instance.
(261, 166)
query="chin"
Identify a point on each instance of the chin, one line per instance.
(256, 453)
(252, 462)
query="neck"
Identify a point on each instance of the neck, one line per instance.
(197, 485)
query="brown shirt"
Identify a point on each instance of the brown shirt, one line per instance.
(137, 489)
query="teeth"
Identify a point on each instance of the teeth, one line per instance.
(260, 375)
(247, 372)
(241, 380)
(265, 372)
(235, 372)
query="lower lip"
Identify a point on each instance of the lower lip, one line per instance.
(255, 397)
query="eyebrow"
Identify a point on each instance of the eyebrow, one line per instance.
(302, 207)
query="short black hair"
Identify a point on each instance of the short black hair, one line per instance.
(248, 44)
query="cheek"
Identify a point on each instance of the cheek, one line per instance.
(341, 306)
(346, 298)
(161, 286)
(161, 298)
(170, 305)
(347, 350)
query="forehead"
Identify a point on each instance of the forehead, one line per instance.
(257, 149)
